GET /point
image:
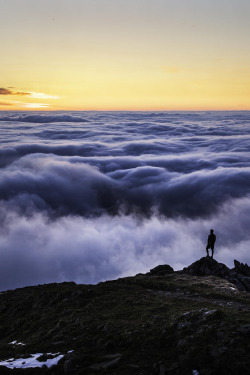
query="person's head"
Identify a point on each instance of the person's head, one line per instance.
(211, 231)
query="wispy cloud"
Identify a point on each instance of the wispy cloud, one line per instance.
(32, 94)
(36, 105)
(4, 91)
(6, 103)
(41, 95)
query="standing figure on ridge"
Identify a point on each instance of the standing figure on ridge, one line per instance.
(210, 242)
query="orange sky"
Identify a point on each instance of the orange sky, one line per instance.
(125, 55)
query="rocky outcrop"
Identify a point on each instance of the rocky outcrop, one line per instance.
(207, 267)
(241, 268)
(161, 270)
(239, 275)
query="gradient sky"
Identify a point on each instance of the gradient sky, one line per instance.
(125, 54)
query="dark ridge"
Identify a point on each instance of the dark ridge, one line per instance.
(194, 321)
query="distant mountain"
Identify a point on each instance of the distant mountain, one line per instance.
(194, 321)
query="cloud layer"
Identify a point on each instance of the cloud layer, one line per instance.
(73, 185)
(38, 249)
(89, 196)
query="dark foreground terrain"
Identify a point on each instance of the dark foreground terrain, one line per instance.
(163, 322)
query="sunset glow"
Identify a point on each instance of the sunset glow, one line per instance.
(125, 55)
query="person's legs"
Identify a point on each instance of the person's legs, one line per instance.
(212, 248)
(207, 250)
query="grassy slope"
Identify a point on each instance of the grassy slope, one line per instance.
(138, 325)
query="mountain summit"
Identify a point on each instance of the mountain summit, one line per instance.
(189, 322)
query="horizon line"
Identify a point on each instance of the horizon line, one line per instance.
(125, 110)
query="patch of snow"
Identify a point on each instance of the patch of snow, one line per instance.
(32, 361)
(16, 343)
(209, 312)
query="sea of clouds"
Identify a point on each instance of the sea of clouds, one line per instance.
(91, 196)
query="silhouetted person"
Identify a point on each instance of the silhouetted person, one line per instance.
(210, 242)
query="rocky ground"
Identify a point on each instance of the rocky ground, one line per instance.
(195, 321)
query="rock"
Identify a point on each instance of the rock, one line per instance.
(238, 283)
(181, 343)
(245, 329)
(159, 368)
(161, 270)
(241, 268)
(207, 266)
(113, 356)
(106, 364)
(162, 370)
(245, 281)
(240, 276)
(68, 367)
